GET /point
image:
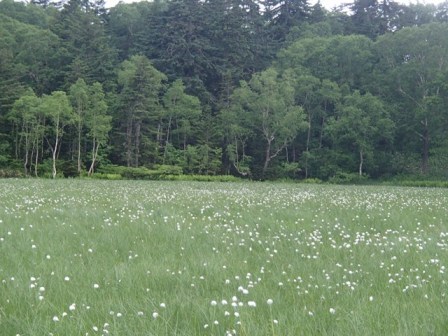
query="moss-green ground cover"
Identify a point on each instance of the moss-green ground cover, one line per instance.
(84, 257)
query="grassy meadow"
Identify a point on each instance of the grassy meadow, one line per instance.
(81, 257)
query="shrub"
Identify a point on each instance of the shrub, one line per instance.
(348, 178)
(10, 173)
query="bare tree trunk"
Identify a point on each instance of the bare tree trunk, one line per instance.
(54, 150)
(137, 143)
(167, 140)
(267, 157)
(308, 139)
(95, 148)
(79, 147)
(425, 154)
(361, 161)
(129, 142)
(36, 159)
(25, 163)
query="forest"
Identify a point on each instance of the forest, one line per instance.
(260, 89)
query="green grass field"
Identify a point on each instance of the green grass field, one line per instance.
(81, 257)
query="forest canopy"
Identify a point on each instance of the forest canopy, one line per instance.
(256, 88)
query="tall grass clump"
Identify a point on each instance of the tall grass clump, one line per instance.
(100, 257)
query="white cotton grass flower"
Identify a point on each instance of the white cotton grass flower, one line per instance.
(251, 303)
(371, 298)
(140, 313)
(163, 305)
(72, 307)
(119, 315)
(96, 286)
(67, 278)
(55, 319)
(332, 311)
(213, 303)
(155, 315)
(270, 301)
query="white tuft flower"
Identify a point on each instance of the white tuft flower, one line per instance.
(251, 303)
(269, 301)
(96, 286)
(67, 278)
(72, 307)
(155, 315)
(55, 319)
(332, 311)
(213, 303)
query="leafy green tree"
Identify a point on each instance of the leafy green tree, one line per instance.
(318, 99)
(58, 111)
(363, 125)
(79, 96)
(345, 60)
(282, 15)
(25, 116)
(269, 99)
(373, 18)
(98, 122)
(413, 63)
(140, 88)
(85, 47)
(182, 111)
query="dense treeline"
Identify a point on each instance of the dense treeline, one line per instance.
(256, 88)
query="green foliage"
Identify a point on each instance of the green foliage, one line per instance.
(348, 178)
(141, 173)
(311, 181)
(10, 173)
(265, 89)
(104, 176)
